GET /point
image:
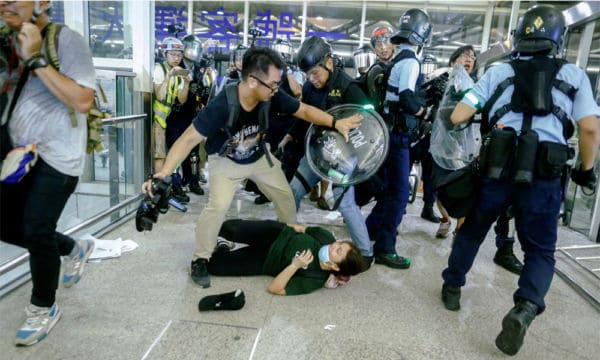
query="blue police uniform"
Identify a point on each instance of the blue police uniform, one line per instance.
(536, 206)
(387, 213)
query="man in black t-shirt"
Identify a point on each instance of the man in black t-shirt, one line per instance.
(261, 76)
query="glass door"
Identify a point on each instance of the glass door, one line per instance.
(579, 208)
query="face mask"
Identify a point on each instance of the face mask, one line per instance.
(324, 253)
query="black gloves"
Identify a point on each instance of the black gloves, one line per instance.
(586, 179)
(434, 89)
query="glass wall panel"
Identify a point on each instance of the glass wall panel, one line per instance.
(57, 12)
(579, 207)
(277, 20)
(107, 30)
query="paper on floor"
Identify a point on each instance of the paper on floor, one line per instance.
(106, 249)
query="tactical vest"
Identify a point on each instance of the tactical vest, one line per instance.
(532, 95)
(399, 118)
(162, 109)
(336, 88)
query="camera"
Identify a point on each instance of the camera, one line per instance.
(147, 212)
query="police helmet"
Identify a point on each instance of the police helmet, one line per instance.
(364, 57)
(540, 29)
(192, 48)
(171, 44)
(285, 49)
(414, 26)
(346, 163)
(381, 33)
(313, 51)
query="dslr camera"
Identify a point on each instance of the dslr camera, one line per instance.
(147, 212)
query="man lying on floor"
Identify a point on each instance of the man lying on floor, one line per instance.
(285, 252)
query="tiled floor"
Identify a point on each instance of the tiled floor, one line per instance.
(143, 305)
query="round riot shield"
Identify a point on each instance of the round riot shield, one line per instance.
(375, 86)
(347, 163)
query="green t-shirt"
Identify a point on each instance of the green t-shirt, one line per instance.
(283, 250)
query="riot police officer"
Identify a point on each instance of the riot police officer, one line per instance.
(402, 106)
(535, 114)
(326, 87)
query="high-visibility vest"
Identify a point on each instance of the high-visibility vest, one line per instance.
(162, 109)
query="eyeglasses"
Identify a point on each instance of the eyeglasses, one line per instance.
(174, 54)
(273, 89)
(468, 56)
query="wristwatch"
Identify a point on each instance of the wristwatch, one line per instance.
(36, 62)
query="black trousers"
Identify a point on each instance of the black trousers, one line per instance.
(249, 260)
(29, 212)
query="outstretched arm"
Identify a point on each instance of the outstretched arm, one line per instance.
(314, 115)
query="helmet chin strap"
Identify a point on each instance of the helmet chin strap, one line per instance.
(326, 68)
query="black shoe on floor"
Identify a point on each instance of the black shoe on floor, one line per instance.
(195, 187)
(505, 257)
(428, 214)
(451, 297)
(514, 327)
(392, 260)
(234, 300)
(261, 199)
(200, 272)
(180, 195)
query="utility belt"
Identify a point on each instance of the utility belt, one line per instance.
(397, 120)
(507, 157)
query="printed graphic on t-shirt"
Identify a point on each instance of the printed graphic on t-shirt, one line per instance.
(245, 145)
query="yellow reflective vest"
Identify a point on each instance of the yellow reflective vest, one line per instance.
(162, 109)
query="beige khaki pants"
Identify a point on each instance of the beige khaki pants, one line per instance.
(225, 176)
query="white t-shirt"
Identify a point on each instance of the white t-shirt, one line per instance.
(159, 76)
(41, 118)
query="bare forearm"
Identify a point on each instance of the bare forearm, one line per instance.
(280, 281)
(589, 141)
(462, 113)
(182, 95)
(66, 89)
(181, 149)
(314, 115)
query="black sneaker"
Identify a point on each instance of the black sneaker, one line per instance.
(392, 260)
(195, 187)
(199, 272)
(451, 297)
(514, 327)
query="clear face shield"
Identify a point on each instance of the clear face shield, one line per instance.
(193, 51)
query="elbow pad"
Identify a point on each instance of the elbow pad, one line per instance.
(410, 102)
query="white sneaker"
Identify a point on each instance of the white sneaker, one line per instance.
(39, 322)
(74, 265)
(443, 230)
(224, 243)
